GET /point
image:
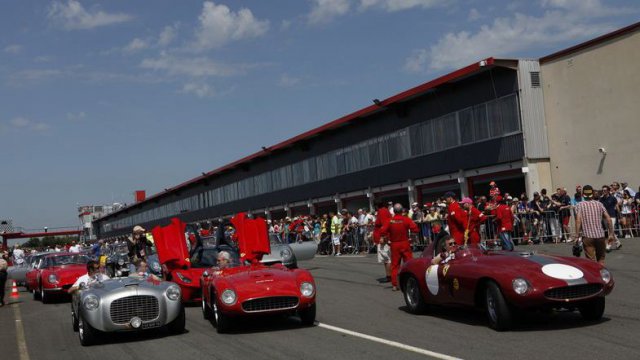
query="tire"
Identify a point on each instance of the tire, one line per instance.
(593, 310)
(87, 334)
(44, 297)
(207, 313)
(497, 308)
(413, 297)
(177, 325)
(74, 321)
(308, 315)
(36, 294)
(220, 320)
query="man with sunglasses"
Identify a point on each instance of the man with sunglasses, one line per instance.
(448, 253)
(93, 275)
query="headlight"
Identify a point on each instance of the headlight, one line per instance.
(605, 275)
(306, 289)
(173, 292)
(91, 302)
(121, 261)
(183, 278)
(285, 254)
(520, 286)
(228, 297)
(53, 278)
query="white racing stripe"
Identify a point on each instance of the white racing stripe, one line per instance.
(389, 342)
(22, 343)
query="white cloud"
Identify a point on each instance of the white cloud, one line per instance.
(474, 15)
(36, 74)
(285, 25)
(399, 5)
(324, 11)
(136, 45)
(168, 34)
(26, 124)
(219, 25)
(288, 81)
(562, 21)
(201, 90)
(42, 59)
(73, 16)
(190, 66)
(77, 116)
(13, 49)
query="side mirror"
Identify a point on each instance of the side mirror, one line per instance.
(205, 274)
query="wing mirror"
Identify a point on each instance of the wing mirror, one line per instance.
(205, 274)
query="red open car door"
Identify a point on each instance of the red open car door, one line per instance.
(171, 244)
(253, 239)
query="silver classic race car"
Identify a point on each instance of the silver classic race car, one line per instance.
(126, 304)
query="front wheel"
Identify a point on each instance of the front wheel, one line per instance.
(74, 322)
(87, 334)
(497, 308)
(592, 310)
(177, 325)
(413, 297)
(220, 320)
(44, 297)
(207, 314)
(308, 315)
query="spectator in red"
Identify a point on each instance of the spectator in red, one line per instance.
(474, 219)
(456, 218)
(494, 190)
(384, 250)
(398, 229)
(504, 223)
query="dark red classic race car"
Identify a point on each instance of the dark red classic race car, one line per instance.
(245, 287)
(55, 273)
(504, 283)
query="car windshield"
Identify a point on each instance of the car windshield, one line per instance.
(120, 249)
(67, 260)
(208, 257)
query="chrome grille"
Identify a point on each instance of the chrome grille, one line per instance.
(573, 292)
(143, 306)
(270, 303)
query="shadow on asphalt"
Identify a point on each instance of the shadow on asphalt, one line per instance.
(524, 321)
(134, 336)
(254, 325)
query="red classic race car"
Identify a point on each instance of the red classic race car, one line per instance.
(54, 274)
(239, 285)
(503, 282)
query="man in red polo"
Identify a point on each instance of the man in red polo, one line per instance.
(382, 218)
(456, 218)
(471, 232)
(398, 230)
(504, 223)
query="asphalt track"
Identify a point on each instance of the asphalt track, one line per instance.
(358, 318)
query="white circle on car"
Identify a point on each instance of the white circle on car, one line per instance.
(432, 279)
(562, 271)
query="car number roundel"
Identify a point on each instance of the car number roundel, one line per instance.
(431, 276)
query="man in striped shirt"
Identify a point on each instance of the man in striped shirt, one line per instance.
(589, 223)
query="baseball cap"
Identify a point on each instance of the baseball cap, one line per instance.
(449, 194)
(587, 191)
(466, 200)
(536, 194)
(414, 204)
(138, 228)
(492, 183)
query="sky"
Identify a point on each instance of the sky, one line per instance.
(102, 98)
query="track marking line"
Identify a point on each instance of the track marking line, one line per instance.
(22, 343)
(389, 342)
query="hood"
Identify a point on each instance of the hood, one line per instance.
(68, 274)
(253, 238)
(171, 244)
(126, 284)
(256, 281)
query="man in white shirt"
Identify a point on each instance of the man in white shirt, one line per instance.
(18, 256)
(75, 248)
(93, 275)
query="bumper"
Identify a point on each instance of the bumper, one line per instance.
(536, 298)
(236, 310)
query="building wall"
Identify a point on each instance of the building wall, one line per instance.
(591, 101)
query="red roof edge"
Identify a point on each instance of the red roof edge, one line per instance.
(587, 44)
(331, 125)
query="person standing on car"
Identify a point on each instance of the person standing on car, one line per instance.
(398, 229)
(456, 218)
(136, 244)
(589, 216)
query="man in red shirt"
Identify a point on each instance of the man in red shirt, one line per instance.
(456, 218)
(398, 230)
(384, 251)
(474, 219)
(504, 223)
(494, 190)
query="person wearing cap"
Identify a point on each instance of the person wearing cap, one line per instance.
(398, 229)
(336, 232)
(589, 216)
(504, 223)
(136, 244)
(474, 219)
(382, 244)
(456, 218)
(493, 189)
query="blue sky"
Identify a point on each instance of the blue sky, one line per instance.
(98, 99)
